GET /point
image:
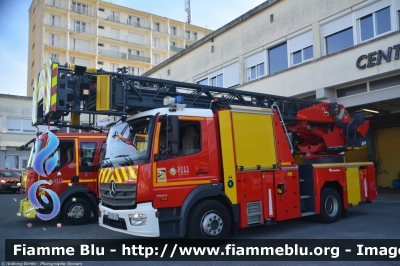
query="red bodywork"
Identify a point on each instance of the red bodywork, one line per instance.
(279, 190)
(65, 176)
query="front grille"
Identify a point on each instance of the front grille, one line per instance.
(125, 196)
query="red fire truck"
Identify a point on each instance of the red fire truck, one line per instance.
(201, 161)
(74, 178)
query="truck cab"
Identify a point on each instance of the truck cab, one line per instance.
(74, 178)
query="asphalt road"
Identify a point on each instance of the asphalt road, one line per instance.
(379, 220)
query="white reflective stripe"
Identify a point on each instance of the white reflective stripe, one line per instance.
(271, 211)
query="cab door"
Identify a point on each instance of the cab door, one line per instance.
(67, 168)
(87, 164)
(179, 168)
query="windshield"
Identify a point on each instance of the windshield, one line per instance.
(10, 174)
(128, 142)
(34, 150)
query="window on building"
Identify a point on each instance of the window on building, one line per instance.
(384, 83)
(23, 125)
(339, 41)
(375, 24)
(156, 26)
(80, 8)
(156, 42)
(81, 26)
(187, 34)
(217, 81)
(255, 71)
(100, 44)
(195, 36)
(115, 33)
(55, 21)
(352, 90)
(203, 82)
(173, 43)
(80, 61)
(114, 51)
(300, 47)
(114, 16)
(80, 45)
(173, 30)
(212, 48)
(303, 55)
(135, 38)
(55, 57)
(101, 9)
(277, 58)
(54, 40)
(101, 27)
(100, 63)
(114, 67)
(156, 59)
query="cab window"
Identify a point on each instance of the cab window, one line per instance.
(102, 152)
(66, 153)
(189, 138)
(88, 150)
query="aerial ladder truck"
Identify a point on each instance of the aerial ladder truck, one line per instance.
(200, 161)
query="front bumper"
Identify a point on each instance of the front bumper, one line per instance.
(151, 229)
(9, 187)
(26, 208)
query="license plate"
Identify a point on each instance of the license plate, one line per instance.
(14, 186)
(113, 216)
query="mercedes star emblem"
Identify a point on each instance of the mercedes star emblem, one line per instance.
(113, 189)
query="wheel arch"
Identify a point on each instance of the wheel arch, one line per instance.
(82, 192)
(336, 186)
(208, 192)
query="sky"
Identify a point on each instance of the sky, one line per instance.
(211, 14)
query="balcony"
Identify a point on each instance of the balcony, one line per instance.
(113, 54)
(120, 37)
(176, 33)
(85, 30)
(138, 58)
(55, 24)
(176, 49)
(123, 20)
(57, 4)
(55, 43)
(83, 10)
(82, 48)
(159, 29)
(159, 46)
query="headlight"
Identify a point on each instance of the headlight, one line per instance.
(138, 219)
(2, 181)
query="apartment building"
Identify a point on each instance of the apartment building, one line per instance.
(103, 35)
(336, 51)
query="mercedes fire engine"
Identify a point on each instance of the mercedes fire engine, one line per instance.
(201, 161)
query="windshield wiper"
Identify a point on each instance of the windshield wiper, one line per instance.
(107, 164)
(126, 157)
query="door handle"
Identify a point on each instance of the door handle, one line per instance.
(202, 172)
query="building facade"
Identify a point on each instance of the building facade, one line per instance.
(103, 35)
(337, 51)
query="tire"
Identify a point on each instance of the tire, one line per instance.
(208, 223)
(79, 211)
(330, 206)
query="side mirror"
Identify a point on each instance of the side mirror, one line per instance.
(173, 134)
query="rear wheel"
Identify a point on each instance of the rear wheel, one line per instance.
(208, 223)
(330, 206)
(76, 211)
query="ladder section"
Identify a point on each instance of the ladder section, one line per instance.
(75, 90)
(306, 185)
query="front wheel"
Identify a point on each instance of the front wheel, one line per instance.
(330, 206)
(208, 223)
(76, 211)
